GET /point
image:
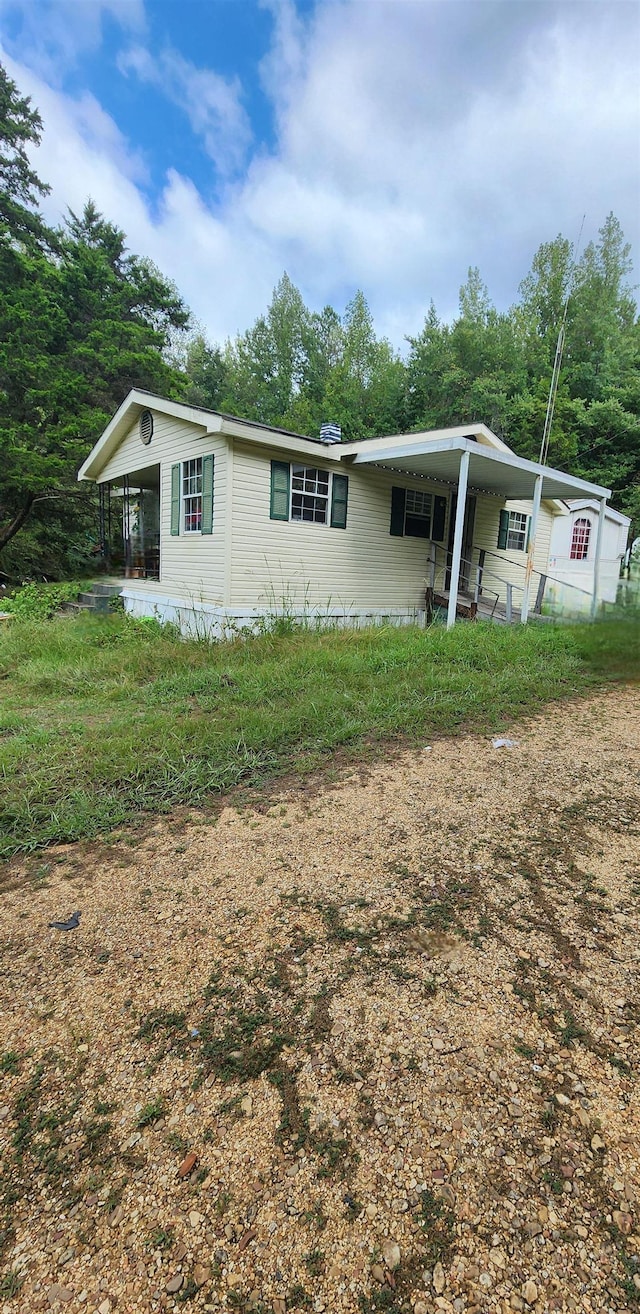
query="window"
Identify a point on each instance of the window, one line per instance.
(304, 493)
(192, 490)
(417, 513)
(517, 531)
(192, 495)
(580, 539)
(309, 494)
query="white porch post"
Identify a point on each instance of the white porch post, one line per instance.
(533, 528)
(596, 563)
(457, 539)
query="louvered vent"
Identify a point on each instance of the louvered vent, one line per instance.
(146, 427)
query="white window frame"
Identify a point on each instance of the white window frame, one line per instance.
(580, 539)
(517, 531)
(310, 492)
(191, 495)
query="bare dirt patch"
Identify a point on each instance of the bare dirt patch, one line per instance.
(372, 1049)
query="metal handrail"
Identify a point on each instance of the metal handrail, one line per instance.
(482, 571)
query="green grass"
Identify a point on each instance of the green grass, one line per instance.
(103, 720)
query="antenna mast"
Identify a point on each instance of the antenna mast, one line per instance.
(557, 364)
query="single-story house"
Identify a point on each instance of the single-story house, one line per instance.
(572, 550)
(214, 521)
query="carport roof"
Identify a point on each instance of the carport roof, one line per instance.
(490, 470)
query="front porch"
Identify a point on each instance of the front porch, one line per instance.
(130, 524)
(470, 579)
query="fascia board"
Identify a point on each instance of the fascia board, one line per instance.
(134, 402)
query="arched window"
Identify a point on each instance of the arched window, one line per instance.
(580, 539)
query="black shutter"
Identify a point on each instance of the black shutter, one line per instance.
(339, 497)
(439, 518)
(398, 499)
(503, 531)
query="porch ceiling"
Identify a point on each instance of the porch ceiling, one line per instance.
(490, 471)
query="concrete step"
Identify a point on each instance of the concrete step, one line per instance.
(106, 588)
(94, 601)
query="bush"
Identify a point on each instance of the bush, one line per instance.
(40, 601)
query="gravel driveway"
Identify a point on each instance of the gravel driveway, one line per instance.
(366, 1045)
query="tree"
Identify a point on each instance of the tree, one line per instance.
(205, 372)
(20, 187)
(76, 333)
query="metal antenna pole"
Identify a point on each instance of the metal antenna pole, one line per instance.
(557, 364)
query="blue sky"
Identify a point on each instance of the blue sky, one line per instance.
(381, 144)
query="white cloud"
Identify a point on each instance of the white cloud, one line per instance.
(54, 33)
(212, 103)
(412, 141)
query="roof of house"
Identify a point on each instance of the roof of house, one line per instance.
(591, 504)
(436, 454)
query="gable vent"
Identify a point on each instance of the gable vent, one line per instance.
(146, 427)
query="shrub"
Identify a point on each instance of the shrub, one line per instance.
(40, 601)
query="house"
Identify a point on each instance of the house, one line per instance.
(572, 551)
(213, 521)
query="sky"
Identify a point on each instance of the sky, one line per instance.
(385, 145)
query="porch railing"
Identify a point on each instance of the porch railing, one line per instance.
(552, 596)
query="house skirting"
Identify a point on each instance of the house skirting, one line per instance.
(208, 620)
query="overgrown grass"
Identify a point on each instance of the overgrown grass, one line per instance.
(104, 719)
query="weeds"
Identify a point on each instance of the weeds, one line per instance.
(150, 1113)
(77, 763)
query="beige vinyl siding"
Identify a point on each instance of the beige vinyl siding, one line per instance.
(191, 565)
(509, 564)
(275, 562)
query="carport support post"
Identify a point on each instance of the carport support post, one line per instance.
(533, 529)
(596, 563)
(457, 539)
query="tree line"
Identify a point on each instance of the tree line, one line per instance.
(83, 320)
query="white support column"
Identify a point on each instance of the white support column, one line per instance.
(457, 539)
(596, 563)
(533, 529)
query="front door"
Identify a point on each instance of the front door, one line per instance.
(467, 542)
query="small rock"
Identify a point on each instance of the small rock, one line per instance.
(105, 1307)
(174, 1284)
(293, 1170)
(562, 1100)
(377, 1273)
(195, 1218)
(246, 1104)
(530, 1292)
(391, 1255)
(624, 1222)
(597, 1142)
(187, 1166)
(247, 1238)
(201, 1274)
(371, 1210)
(279, 1305)
(439, 1280)
(56, 1292)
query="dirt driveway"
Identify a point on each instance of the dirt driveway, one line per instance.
(368, 1046)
